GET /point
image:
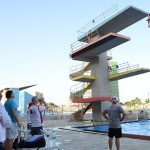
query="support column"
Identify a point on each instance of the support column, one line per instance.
(100, 86)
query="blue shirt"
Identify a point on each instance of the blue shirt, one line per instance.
(9, 106)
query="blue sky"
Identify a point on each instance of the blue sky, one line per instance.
(35, 38)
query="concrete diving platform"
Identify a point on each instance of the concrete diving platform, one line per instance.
(116, 22)
(126, 74)
(100, 45)
(84, 78)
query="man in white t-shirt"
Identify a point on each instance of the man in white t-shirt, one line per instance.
(5, 122)
(35, 113)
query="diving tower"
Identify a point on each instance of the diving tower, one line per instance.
(92, 50)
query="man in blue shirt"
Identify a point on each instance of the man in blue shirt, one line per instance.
(11, 108)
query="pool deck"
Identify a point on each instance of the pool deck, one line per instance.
(88, 141)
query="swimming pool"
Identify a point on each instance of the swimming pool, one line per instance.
(135, 129)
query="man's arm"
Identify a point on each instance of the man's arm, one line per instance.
(104, 115)
(123, 116)
(16, 117)
(45, 104)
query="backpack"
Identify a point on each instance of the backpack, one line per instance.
(36, 141)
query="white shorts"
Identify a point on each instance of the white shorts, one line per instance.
(12, 132)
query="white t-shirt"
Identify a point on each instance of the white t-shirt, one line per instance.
(36, 117)
(5, 122)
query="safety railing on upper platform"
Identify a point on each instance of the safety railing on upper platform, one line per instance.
(120, 68)
(79, 44)
(97, 20)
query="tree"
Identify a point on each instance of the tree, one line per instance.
(52, 104)
(138, 101)
(147, 101)
(128, 104)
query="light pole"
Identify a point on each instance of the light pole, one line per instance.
(62, 111)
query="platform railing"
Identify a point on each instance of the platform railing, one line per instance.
(123, 68)
(79, 44)
(76, 68)
(89, 93)
(78, 87)
(112, 10)
(79, 91)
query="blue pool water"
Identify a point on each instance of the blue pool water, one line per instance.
(137, 128)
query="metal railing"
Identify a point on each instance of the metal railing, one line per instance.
(79, 44)
(81, 69)
(89, 93)
(123, 68)
(86, 71)
(78, 87)
(77, 68)
(97, 20)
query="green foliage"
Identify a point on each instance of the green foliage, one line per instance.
(133, 102)
(147, 101)
(52, 104)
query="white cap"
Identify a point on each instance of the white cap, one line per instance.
(115, 99)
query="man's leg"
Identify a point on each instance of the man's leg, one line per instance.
(110, 142)
(1, 146)
(117, 141)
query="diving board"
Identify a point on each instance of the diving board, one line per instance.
(117, 22)
(84, 78)
(127, 74)
(101, 45)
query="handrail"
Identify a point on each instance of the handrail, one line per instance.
(85, 71)
(87, 94)
(79, 44)
(76, 68)
(125, 68)
(77, 87)
(97, 20)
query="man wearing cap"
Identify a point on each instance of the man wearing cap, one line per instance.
(35, 112)
(114, 117)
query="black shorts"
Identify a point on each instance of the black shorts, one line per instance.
(117, 132)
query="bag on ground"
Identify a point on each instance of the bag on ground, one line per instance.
(36, 141)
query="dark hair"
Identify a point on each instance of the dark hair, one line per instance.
(9, 93)
(33, 98)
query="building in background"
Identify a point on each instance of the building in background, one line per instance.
(21, 98)
(24, 100)
(16, 93)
